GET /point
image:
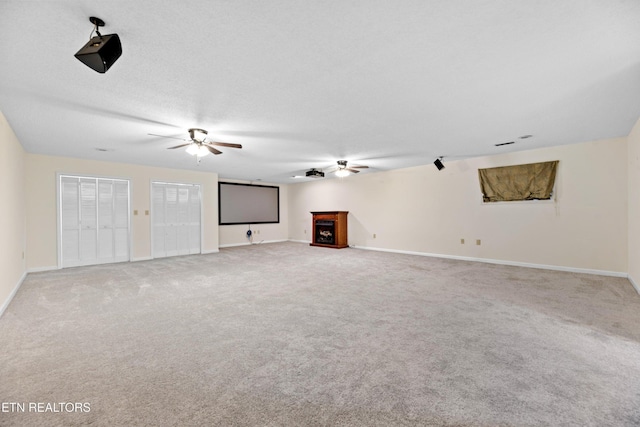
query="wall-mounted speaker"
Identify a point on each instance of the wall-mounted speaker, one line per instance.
(100, 52)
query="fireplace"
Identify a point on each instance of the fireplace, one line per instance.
(330, 229)
(325, 232)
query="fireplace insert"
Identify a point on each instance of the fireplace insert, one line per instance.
(326, 232)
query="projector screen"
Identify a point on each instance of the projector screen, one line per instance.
(248, 204)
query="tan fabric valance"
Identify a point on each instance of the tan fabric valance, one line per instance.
(520, 182)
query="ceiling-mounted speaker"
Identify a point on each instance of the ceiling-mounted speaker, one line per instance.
(100, 52)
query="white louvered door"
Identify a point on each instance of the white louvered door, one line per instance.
(176, 219)
(94, 220)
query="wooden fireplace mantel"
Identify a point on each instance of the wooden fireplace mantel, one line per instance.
(339, 219)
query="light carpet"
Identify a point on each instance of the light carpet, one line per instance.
(291, 335)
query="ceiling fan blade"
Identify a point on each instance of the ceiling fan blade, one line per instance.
(213, 150)
(165, 136)
(224, 144)
(358, 166)
(178, 146)
(352, 170)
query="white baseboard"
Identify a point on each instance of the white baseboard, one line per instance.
(41, 269)
(299, 241)
(634, 284)
(12, 294)
(503, 262)
(212, 251)
(142, 258)
(231, 245)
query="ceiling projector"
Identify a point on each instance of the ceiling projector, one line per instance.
(314, 173)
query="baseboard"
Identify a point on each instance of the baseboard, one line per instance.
(41, 269)
(503, 262)
(299, 241)
(634, 284)
(12, 294)
(142, 258)
(232, 245)
(212, 251)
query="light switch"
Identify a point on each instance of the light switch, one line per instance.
(146, 212)
(135, 212)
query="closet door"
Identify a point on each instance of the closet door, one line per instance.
(93, 220)
(176, 219)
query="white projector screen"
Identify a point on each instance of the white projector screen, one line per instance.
(248, 204)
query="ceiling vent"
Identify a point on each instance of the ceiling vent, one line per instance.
(314, 173)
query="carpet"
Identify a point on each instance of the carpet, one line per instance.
(286, 334)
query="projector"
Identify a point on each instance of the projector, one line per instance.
(313, 173)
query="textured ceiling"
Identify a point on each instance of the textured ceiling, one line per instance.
(301, 84)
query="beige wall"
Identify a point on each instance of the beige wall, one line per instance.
(12, 218)
(234, 235)
(634, 205)
(41, 202)
(424, 210)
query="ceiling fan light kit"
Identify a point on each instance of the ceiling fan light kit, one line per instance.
(197, 150)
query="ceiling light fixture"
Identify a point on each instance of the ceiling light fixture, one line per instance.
(100, 52)
(196, 149)
(439, 163)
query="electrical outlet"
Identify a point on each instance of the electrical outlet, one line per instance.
(374, 235)
(257, 231)
(305, 231)
(146, 212)
(462, 241)
(478, 242)
(135, 211)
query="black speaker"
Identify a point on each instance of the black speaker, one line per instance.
(439, 164)
(101, 52)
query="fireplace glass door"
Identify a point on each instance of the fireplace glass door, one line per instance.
(325, 232)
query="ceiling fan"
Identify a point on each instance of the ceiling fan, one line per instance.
(198, 145)
(343, 169)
